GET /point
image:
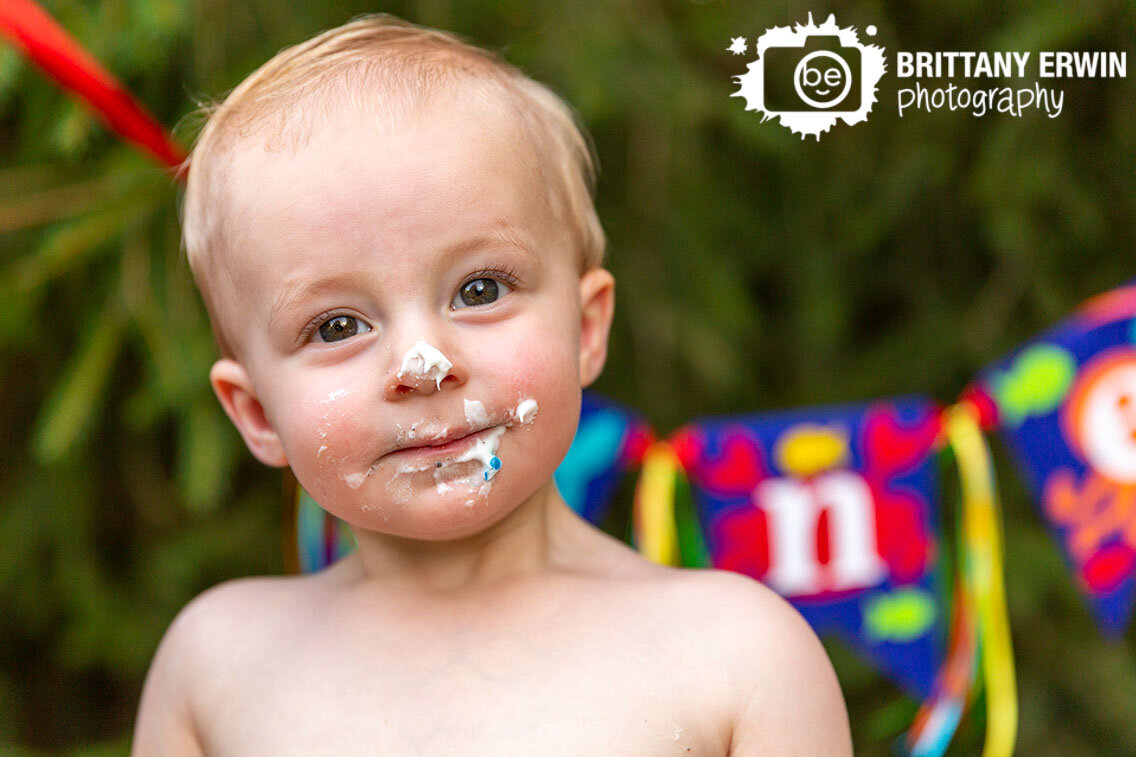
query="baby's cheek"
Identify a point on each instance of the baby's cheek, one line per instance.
(525, 362)
(548, 375)
(327, 429)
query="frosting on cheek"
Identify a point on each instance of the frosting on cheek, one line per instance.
(355, 480)
(485, 450)
(526, 411)
(335, 396)
(475, 414)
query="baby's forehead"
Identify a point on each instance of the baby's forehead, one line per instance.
(311, 149)
(465, 158)
(372, 110)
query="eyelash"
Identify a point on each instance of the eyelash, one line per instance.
(319, 320)
(504, 273)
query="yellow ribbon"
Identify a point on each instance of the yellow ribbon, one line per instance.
(655, 529)
(982, 533)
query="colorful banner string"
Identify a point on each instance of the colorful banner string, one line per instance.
(656, 532)
(982, 531)
(938, 718)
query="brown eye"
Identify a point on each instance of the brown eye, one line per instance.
(479, 292)
(341, 327)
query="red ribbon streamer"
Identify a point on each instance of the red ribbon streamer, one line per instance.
(49, 46)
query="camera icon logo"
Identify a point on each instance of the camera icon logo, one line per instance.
(812, 76)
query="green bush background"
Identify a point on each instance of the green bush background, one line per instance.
(756, 271)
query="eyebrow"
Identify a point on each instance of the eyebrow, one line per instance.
(300, 292)
(501, 234)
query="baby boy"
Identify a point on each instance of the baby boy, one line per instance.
(395, 238)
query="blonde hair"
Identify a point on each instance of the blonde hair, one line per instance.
(384, 65)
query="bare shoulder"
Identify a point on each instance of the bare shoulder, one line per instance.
(787, 699)
(239, 613)
(196, 657)
(759, 664)
(752, 614)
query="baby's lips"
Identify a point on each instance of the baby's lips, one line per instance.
(447, 440)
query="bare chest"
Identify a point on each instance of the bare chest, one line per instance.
(493, 688)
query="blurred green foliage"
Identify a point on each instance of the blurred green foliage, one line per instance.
(756, 271)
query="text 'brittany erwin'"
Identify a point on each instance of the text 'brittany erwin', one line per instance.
(1051, 64)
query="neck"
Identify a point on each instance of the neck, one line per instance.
(520, 544)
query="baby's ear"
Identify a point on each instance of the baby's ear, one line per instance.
(597, 303)
(231, 382)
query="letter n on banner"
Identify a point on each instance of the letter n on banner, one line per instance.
(835, 509)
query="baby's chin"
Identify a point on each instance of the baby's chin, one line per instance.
(424, 505)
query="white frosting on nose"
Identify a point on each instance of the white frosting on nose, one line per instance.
(425, 362)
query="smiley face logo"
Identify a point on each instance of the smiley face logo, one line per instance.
(1100, 417)
(822, 79)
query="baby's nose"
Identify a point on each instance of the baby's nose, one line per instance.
(424, 369)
